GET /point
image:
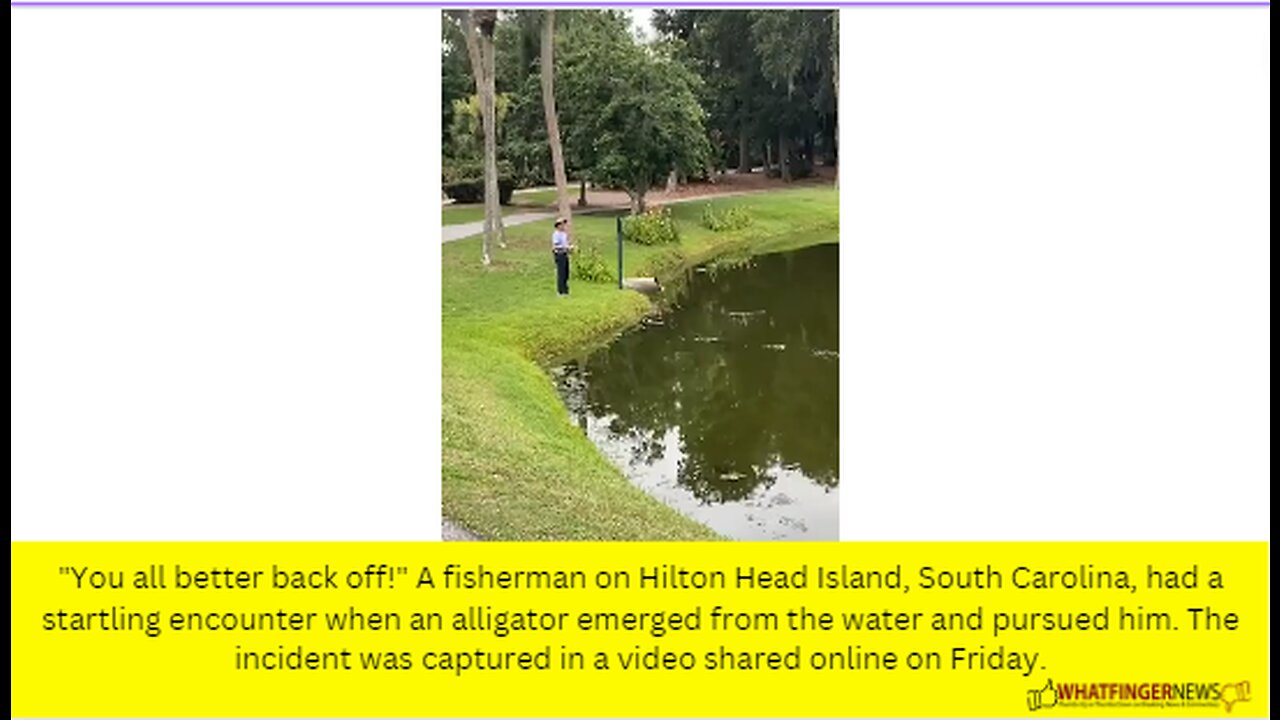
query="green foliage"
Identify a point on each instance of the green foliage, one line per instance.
(472, 191)
(463, 180)
(467, 130)
(455, 80)
(735, 218)
(454, 171)
(524, 127)
(655, 227)
(711, 91)
(766, 75)
(734, 258)
(795, 51)
(630, 113)
(716, 44)
(589, 264)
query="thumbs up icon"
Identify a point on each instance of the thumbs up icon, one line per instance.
(1233, 693)
(1045, 697)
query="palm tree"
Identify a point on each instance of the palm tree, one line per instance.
(478, 26)
(549, 109)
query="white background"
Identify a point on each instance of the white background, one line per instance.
(225, 274)
(1055, 273)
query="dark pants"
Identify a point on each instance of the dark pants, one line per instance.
(562, 272)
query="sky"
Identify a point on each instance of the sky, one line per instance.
(640, 19)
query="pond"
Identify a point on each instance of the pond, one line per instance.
(726, 405)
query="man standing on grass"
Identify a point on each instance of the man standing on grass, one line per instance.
(560, 248)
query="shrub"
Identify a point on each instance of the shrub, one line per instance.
(734, 261)
(735, 218)
(454, 171)
(472, 191)
(589, 264)
(655, 227)
(463, 181)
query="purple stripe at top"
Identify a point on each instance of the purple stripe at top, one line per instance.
(522, 4)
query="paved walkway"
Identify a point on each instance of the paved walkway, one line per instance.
(449, 233)
(612, 200)
(464, 230)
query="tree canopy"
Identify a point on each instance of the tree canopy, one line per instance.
(714, 89)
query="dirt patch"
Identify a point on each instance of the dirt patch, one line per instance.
(730, 183)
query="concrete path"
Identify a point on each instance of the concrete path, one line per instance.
(464, 230)
(450, 530)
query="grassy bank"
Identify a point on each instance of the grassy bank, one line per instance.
(514, 466)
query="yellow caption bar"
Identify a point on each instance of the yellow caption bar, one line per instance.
(640, 629)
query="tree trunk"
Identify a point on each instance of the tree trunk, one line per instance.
(637, 194)
(549, 109)
(492, 193)
(469, 30)
(744, 152)
(582, 192)
(480, 51)
(784, 160)
(768, 156)
(835, 80)
(829, 142)
(673, 181)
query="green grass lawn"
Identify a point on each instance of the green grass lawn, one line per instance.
(514, 466)
(538, 198)
(459, 214)
(520, 202)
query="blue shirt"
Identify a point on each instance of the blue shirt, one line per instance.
(559, 240)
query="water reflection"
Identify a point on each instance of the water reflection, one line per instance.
(726, 406)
